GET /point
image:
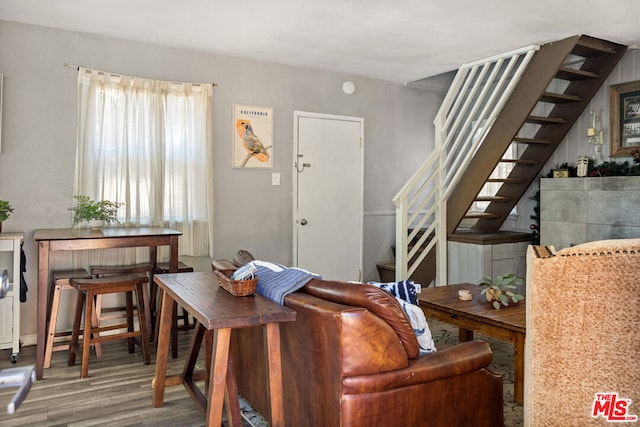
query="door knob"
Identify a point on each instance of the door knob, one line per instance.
(303, 221)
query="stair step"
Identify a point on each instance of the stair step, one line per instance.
(541, 120)
(387, 265)
(497, 199)
(480, 215)
(533, 140)
(559, 98)
(506, 180)
(572, 74)
(479, 237)
(520, 161)
(588, 47)
(386, 271)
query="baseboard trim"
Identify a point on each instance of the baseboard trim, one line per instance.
(28, 339)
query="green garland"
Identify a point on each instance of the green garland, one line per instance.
(603, 169)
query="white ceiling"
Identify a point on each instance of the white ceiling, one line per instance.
(401, 40)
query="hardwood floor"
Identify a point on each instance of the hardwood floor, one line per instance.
(117, 393)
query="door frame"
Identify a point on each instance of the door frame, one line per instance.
(296, 116)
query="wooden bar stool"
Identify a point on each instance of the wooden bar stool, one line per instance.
(87, 290)
(60, 282)
(163, 268)
(156, 301)
(108, 270)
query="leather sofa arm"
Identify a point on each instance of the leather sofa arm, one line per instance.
(374, 299)
(449, 362)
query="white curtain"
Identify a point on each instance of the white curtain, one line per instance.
(148, 144)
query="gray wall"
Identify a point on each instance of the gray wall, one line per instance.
(39, 125)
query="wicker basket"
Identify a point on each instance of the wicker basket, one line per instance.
(239, 288)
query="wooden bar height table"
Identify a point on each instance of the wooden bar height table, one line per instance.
(507, 324)
(78, 239)
(217, 313)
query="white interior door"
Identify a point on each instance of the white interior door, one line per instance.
(328, 195)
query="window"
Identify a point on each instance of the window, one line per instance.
(147, 143)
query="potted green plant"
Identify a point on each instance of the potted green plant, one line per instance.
(499, 292)
(5, 211)
(95, 213)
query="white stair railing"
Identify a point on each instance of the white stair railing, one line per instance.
(475, 99)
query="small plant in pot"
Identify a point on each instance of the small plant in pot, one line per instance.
(95, 213)
(5, 211)
(500, 292)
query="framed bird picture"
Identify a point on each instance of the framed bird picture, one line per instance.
(252, 137)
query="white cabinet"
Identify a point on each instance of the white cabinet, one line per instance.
(10, 246)
(470, 262)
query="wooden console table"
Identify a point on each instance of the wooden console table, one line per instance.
(77, 239)
(217, 313)
(508, 324)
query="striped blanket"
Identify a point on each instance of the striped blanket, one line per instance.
(405, 292)
(276, 281)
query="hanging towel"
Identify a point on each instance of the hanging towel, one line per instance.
(23, 269)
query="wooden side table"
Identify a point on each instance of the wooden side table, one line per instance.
(507, 324)
(217, 313)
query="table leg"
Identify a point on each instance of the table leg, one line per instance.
(518, 368)
(147, 306)
(173, 268)
(234, 419)
(153, 294)
(43, 284)
(190, 364)
(275, 374)
(153, 256)
(194, 350)
(208, 343)
(173, 254)
(174, 332)
(163, 349)
(465, 335)
(218, 376)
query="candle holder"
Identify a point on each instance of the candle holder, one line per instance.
(595, 136)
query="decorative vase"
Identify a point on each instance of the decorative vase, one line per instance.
(96, 224)
(493, 294)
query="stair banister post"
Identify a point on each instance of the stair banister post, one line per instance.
(441, 210)
(401, 237)
(442, 247)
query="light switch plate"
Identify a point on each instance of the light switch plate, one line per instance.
(275, 178)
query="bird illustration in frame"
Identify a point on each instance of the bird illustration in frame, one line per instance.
(251, 142)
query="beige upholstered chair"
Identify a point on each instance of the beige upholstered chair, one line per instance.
(583, 332)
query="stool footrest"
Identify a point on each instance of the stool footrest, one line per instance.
(106, 338)
(108, 328)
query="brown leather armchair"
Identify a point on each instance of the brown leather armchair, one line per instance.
(351, 359)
